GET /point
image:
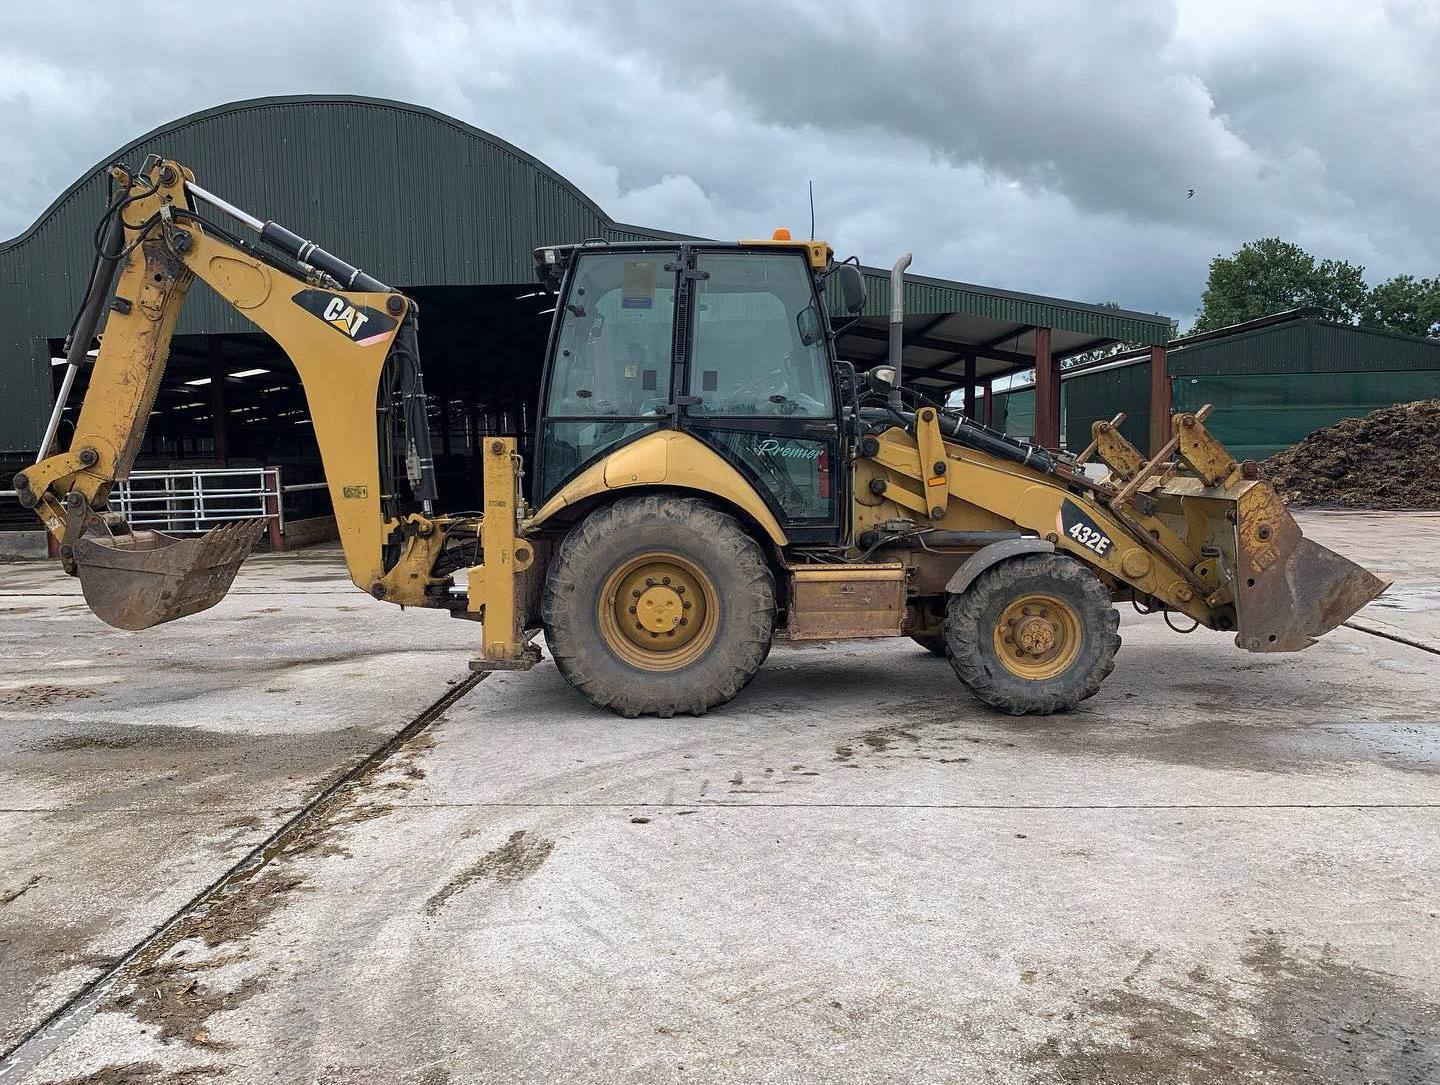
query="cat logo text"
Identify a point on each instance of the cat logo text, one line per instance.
(358, 323)
(345, 317)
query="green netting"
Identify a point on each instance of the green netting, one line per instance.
(1258, 414)
(1014, 413)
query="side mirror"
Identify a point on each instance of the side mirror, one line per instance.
(809, 326)
(852, 288)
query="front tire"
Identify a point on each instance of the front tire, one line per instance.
(1033, 635)
(659, 604)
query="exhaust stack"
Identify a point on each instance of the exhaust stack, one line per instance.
(897, 327)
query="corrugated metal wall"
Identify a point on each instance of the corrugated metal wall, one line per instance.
(1086, 401)
(1270, 386)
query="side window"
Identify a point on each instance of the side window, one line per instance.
(613, 356)
(757, 349)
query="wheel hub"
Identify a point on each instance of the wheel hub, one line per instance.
(658, 611)
(1037, 637)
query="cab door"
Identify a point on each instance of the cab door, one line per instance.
(759, 384)
(611, 361)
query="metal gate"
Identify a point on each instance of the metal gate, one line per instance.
(188, 501)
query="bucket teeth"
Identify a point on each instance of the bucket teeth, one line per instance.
(145, 578)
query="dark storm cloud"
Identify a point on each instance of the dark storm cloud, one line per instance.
(1045, 147)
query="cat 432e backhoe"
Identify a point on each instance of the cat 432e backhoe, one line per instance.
(707, 476)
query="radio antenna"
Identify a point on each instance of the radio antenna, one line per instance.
(812, 210)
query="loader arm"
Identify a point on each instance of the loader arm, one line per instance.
(340, 342)
(1201, 535)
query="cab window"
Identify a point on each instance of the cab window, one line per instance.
(613, 352)
(759, 348)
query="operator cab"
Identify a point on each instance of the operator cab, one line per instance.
(729, 343)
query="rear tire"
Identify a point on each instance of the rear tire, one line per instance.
(659, 604)
(1033, 635)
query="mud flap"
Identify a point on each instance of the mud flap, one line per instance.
(145, 578)
(1289, 590)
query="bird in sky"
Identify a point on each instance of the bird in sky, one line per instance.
(1189, 194)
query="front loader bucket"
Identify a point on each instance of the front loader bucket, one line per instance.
(1289, 590)
(142, 579)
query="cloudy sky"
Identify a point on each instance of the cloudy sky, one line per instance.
(1037, 146)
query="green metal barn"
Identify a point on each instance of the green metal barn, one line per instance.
(1272, 382)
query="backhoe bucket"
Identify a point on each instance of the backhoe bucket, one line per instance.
(1288, 589)
(142, 579)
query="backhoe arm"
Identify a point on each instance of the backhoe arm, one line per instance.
(343, 343)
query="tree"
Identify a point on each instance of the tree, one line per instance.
(1404, 304)
(1270, 276)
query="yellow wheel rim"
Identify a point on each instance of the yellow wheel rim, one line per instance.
(1037, 637)
(658, 611)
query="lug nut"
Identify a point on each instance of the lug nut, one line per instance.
(636, 593)
(632, 610)
(649, 581)
(684, 621)
(687, 604)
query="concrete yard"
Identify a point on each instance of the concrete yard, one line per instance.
(1225, 868)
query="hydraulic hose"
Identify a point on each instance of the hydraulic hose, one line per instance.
(348, 276)
(971, 434)
(419, 456)
(77, 343)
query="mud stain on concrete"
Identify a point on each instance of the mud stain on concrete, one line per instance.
(42, 696)
(882, 738)
(513, 861)
(1290, 1017)
(148, 1072)
(173, 1000)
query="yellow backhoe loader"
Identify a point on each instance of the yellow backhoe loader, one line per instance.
(707, 475)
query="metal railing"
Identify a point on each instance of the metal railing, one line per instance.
(191, 501)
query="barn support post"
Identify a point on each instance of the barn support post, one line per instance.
(970, 387)
(1159, 400)
(1047, 392)
(989, 401)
